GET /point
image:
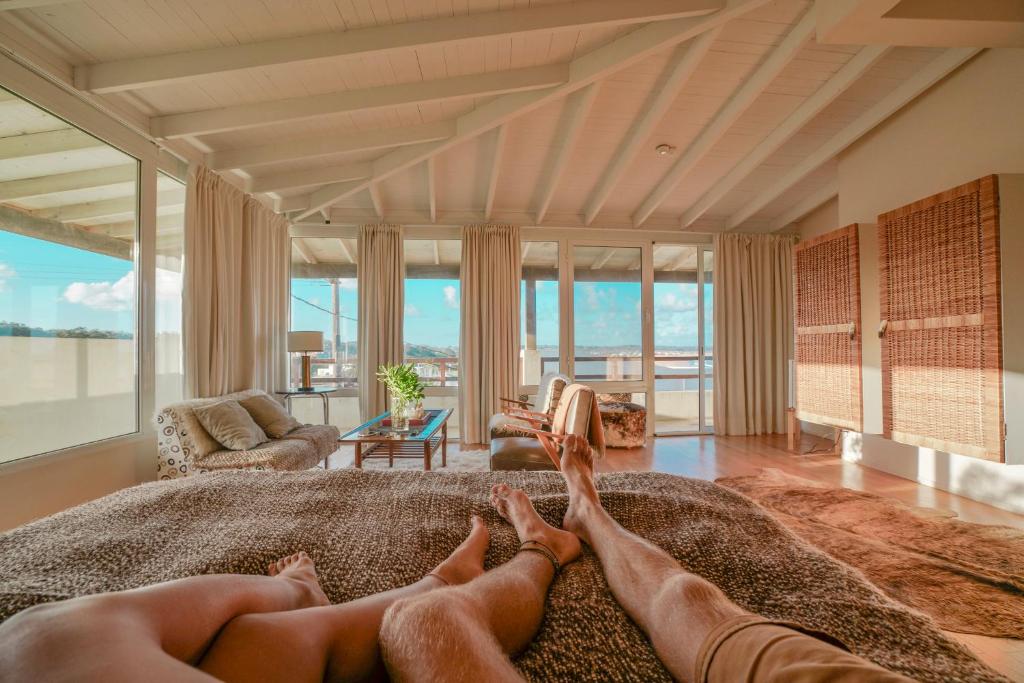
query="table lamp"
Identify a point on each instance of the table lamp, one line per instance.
(306, 342)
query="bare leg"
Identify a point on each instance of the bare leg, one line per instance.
(467, 632)
(337, 642)
(676, 609)
(146, 633)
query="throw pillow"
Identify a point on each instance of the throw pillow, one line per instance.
(192, 429)
(231, 425)
(270, 415)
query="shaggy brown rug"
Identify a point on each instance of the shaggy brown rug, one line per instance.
(371, 531)
(969, 577)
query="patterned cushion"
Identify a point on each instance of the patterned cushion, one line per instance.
(501, 426)
(625, 424)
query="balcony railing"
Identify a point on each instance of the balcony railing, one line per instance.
(551, 363)
(434, 372)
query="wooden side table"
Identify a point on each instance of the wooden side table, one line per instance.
(322, 391)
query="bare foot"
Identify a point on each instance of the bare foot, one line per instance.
(516, 508)
(467, 561)
(577, 467)
(299, 569)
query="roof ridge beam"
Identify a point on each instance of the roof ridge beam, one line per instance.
(680, 67)
(741, 100)
(584, 70)
(931, 73)
(849, 74)
(576, 110)
(132, 74)
(258, 114)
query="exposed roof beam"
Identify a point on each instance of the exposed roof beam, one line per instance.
(526, 249)
(677, 73)
(143, 72)
(498, 148)
(49, 142)
(809, 204)
(378, 205)
(319, 145)
(577, 107)
(437, 252)
(740, 101)
(347, 101)
(168, 201)
(287, 204)
(304, 251)
(314, 176)
(934, 71)
(601, 260)
(808, 109)
(432, 189)
(52, 231)
(584, 70)
(345, 250)
(127, 229)
(26, 4)
(67, 182)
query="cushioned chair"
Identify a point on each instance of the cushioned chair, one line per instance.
(511, 422)
(576, 413)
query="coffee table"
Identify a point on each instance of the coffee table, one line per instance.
(375, 440)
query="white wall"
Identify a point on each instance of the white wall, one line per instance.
(967, 126)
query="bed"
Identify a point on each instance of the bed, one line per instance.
(371, 531)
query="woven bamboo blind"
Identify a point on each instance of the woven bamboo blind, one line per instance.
(828, 335)
(941, 336)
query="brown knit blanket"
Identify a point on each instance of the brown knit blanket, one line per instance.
(372, 531)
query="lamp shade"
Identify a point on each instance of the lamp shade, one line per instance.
(305, 341)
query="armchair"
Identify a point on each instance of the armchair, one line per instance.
(519, 415)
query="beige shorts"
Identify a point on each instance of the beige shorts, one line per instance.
(752, 649)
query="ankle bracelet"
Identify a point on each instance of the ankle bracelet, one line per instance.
(541, 549)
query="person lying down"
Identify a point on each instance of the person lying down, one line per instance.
(457, 623)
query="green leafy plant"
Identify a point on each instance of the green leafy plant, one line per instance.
(402, 381)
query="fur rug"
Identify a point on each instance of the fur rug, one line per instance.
(969, 577)
(372, 531)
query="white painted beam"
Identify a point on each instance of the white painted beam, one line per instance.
(289, 204)
(311, 106)
(432, 189)
(740, 101)
(48, 142)
(526, 249)
(168, 201)
(808, 109)
(601, 260)
(128, 229)
(584, 70)
(315, 176)
(155, 70)
(67, 182)
(931, 73)
(577, 107)
(437, 252)
(319, 145)
(809, 204)
(346, 250)
(497, 149)
(378, 205)
(304, 251)
(682, 65)
(25, 224)
(28, 4)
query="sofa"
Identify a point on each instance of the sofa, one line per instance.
(185, 448)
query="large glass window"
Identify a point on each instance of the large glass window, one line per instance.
(170, 255)
(538, 312)
(68, 225)
(607, 330)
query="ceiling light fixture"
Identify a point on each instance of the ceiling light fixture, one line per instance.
(664, 149)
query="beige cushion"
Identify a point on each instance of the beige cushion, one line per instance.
(270, 415)
(230, 424)
(192, 429)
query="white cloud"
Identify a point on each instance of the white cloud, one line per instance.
(103, 296)
(451, 297)
(671, 302)
(6, 273)
(411, 310)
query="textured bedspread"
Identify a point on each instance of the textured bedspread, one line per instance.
(371, 531)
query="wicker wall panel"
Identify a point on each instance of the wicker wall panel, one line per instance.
(940, 306)
(828, 336)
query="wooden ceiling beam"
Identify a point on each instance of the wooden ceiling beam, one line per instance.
(931, 73)
(48, 142)
(6, 5)
(315, 176)
(813, 201)
(304, 251)
(258, 114)
(497, 149)
(320, 145)
(583, 70)
(576, 109)
(168, 201)
(378, 205)
(131, 74)
(729, 113)
(432, 189)
(11, 190)
(808, 109)
(680, 67)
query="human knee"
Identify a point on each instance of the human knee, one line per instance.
(419, 621)
(693, 592)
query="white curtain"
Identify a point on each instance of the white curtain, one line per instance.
(489, 345)
(753, 332)
(381, 308)
(234, 292)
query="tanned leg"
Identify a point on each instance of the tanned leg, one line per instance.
(468, 632)
(150, 633)
(334, 643)
(676, 609)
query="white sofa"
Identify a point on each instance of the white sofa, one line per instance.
(184, 447)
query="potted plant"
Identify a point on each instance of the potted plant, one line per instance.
(406, 391)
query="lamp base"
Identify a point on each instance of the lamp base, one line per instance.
(307, 375)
